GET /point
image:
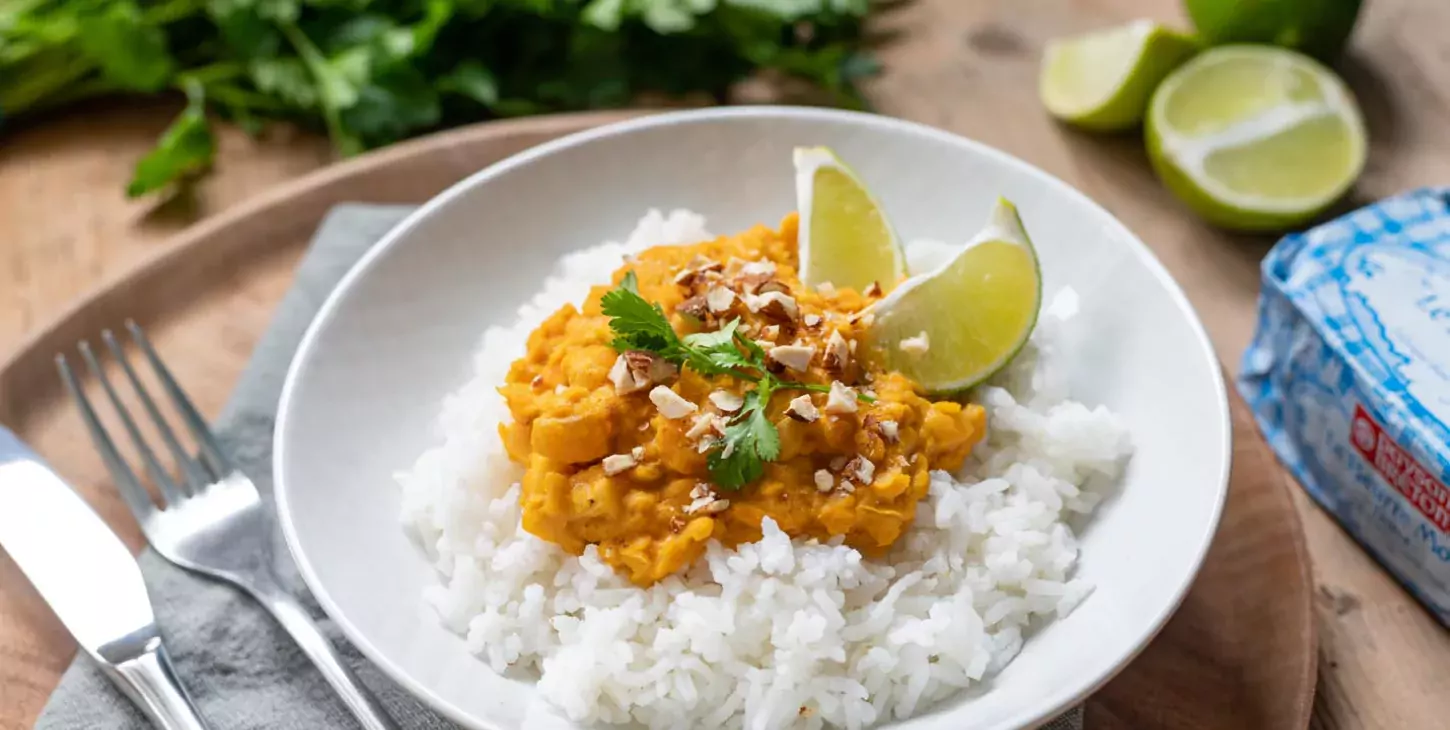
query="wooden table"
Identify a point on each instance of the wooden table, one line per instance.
(969, 66)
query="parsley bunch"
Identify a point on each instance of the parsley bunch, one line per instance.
(750, 440)
(370, 72)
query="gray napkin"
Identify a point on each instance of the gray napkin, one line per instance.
(240, 667)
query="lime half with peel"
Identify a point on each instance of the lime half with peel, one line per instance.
(1319, 28)
(1102, 80)
(845, 238)
(953, 328)
(1255, 137)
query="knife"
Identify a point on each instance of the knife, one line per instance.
(91, 582)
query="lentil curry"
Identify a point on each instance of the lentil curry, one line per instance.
(615, 444)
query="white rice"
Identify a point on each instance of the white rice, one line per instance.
(776, 633)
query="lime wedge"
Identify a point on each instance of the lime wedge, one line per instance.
(1255, 137)
(952, 328)
(1102, 80)
(845, 238)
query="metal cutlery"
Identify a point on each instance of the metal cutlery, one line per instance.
(210, 519)
(91, 582)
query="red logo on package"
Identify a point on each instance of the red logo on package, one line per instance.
(1400, 470)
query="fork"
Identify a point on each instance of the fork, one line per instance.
(210, 519)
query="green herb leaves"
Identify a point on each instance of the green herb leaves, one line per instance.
(750, 440)
(130, 52)
(185, 149)
(638, 324)
(371, 73)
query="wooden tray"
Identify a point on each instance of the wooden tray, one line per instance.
(1240, 653)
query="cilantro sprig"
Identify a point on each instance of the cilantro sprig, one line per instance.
(750, 440)
(372, 72)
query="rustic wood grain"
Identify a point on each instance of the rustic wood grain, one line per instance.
(969, 67)
(1245, 631)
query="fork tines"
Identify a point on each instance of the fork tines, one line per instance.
(209, 466)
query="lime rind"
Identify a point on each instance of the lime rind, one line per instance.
(1179, 159)
(1102, 81)
(1004, 225)
(808, 162)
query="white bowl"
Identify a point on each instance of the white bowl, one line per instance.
(397, 335)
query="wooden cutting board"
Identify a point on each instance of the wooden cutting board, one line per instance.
(1240, 653)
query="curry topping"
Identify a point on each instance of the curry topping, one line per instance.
(618, 447)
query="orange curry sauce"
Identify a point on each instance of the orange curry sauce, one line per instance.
(606, 464)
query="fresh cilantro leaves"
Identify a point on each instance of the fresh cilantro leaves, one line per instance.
(186, 148)
(750, 440)
(638, 324)
(372, 72)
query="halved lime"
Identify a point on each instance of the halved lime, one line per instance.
(952, 328)
(1319, 28)
(845, 238)
(1102, 80)
(1255, 137)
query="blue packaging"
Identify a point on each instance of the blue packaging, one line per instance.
(1349, 378)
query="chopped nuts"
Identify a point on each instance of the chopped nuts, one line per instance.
(770, 332)
(918, 345)
(719, 299)
(865, 319)
(726, 401)
(813, 320)
(872, 290)
(802, 409)
(860, 469)
(838, 353)
(619, 463)
(826, 289)
(705, 423)
(670, 403)
(777, 306)
(696, 270)
(756, 274)
(889, 431)
(649, 367)
(825, 482)
(795, 357)
(707, 505)
(623, 380)
(751, 268)
(637, 452)
(636, 370)
(841, 399)
(774, 285)
(694, 306)
(703, 499)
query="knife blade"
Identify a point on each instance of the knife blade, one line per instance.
(74, 560)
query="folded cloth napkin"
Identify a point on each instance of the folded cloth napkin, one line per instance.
(240, 667)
